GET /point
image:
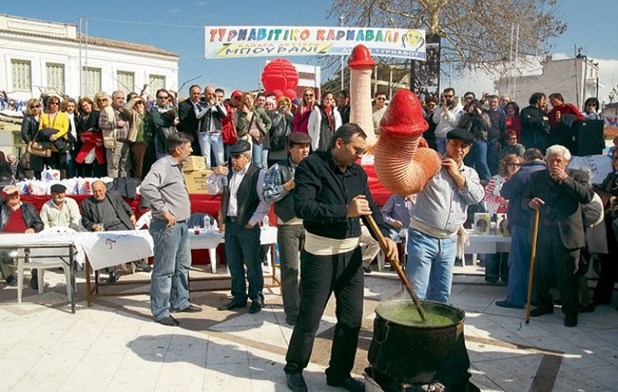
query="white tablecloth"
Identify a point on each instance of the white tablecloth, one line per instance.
(487, 244)
(110, 248)
(22, 240)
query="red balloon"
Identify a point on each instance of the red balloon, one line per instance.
(280, 75)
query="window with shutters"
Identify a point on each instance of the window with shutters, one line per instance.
(155, 82)
(91, 81)
(55, 78)
(21, 71)
(125, 81)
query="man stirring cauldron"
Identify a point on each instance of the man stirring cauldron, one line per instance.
(331, 195)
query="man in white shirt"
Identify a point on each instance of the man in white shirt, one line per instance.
(61, 211)
(242, 209)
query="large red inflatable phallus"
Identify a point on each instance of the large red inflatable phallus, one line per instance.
(281, 78)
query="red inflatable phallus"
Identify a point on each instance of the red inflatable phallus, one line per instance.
(361, 58)
(402, 160)
(281, 78)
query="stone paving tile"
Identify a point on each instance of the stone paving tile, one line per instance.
(114, 345)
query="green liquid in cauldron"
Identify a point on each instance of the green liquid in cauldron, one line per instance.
(409, 316)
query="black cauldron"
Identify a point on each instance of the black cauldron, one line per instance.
(420, 353)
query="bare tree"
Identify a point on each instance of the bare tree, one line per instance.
(476, 34)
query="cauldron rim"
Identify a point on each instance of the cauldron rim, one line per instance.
(461, 315)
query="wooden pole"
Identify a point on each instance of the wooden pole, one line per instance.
(395, 263)
(535, 235)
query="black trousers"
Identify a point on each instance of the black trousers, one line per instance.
(556, 267)
(320, 276)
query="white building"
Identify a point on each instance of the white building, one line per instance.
(39, 56)
(576, 79)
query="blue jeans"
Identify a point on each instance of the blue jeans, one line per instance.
(519, 266)
(260, 156)
(159, 143)
(430, 265)
(244, 244)
(169, 287)
(212, 141)
(477, 158)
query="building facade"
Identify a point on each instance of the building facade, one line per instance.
(42, 57)
(576, 79)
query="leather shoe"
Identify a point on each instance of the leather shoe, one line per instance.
(349, 384)
(541, 311)
(189, 309)
(256, 306)
(570, 320)
(169, 321)
(507, 304)
(296, 382)
(233, 304)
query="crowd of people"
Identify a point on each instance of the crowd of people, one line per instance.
(301, 155)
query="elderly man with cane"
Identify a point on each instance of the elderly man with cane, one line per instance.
(557, 193)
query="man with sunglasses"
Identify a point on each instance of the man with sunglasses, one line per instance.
(379, 108)
(242, 209)
(331, 197)
(17, 217)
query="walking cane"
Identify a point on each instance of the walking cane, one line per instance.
(373, 226)
(535, 235)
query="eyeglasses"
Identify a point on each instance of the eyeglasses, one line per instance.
(35, 106)
(163, 97)
(359, 151)
(101, 99)
(447, 96)
(468, 98)
(308, 95)
(139, 103)
(514, 164)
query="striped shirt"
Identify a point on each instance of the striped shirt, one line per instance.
(442, 205)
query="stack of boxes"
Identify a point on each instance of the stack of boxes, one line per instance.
(195, 174)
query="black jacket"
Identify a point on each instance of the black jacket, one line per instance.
(90, 215)
(247, 198)
(323, 192)
(186, 115)
(28, 211)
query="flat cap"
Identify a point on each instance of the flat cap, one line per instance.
(240, 146)
(460, 133)
(57, 188)
(9, 190)
(299, 138)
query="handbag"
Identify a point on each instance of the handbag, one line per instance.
(37, 149)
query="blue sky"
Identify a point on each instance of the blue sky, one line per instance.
(179, 27)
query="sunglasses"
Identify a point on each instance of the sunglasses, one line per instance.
(35, 106)
(161, 97)
(308, 95)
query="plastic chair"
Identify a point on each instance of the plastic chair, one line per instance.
(53, 259)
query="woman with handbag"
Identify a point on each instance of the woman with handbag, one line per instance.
(252, 125)
(53, 128)
(91, 155)
(29, 129)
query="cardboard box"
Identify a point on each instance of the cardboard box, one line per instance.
(482, 223)
(195, 162)
(196, 181)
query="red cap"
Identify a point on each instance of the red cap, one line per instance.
(236, 93)
(404, 115)
(361, 58)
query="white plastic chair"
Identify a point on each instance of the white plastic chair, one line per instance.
(53, 259)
